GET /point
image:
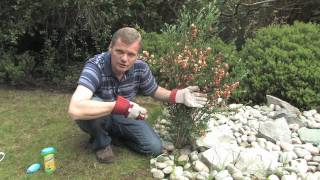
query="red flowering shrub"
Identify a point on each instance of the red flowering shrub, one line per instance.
(190, 65)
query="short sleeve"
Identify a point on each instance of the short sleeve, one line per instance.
(148, 84)
(90, 76)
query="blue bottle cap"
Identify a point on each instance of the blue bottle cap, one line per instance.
(48, 150)
(33, 168)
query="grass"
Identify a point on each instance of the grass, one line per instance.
(31, 120)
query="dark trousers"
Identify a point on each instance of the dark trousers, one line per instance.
(136, 134)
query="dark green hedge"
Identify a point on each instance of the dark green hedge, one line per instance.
(47, 41)
(283, 61)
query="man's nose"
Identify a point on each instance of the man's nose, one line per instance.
(124, 57)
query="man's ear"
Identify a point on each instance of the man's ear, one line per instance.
(109, 48)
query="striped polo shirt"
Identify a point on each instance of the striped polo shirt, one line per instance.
(99, 78)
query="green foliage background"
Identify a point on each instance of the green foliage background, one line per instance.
(46, 42)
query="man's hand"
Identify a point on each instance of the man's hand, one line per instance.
(137, 112)
(189, 96)
(129, 109)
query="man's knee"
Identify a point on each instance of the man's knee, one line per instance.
(83, 125)
(93, 126)
(154, 147)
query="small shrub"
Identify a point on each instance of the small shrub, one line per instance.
(184, 54)
(192, 65)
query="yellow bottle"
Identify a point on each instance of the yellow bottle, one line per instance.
(48, 157)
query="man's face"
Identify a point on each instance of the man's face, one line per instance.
(123, 56)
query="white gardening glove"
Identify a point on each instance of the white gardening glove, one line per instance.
(129, 109)
(136, 111)
(189, 96)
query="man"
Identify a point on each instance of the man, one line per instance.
(101, 104)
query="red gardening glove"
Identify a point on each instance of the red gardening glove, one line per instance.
(129, 109)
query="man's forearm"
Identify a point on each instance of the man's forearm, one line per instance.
(89, 109)
(162, 94)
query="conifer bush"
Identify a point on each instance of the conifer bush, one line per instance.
(284, 61)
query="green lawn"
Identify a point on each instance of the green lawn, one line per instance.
(31, 120)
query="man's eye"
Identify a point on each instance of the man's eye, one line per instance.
(131, 55)
(119, 51)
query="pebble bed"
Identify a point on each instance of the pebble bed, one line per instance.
(247, 143)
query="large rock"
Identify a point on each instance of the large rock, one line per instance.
(219, 156)
(292, 118)
(309, 135)
(257, 161)
(274, 131)
(289, 112)
(217, 135)
(283, 104)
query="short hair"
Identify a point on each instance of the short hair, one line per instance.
(127, 35)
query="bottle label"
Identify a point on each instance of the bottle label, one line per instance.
(49, 163)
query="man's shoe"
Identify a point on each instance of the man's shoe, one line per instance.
(105, 155)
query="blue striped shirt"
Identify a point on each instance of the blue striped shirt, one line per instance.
(99, 78)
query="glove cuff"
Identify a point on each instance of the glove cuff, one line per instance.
(122, 106)
(172, 97)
